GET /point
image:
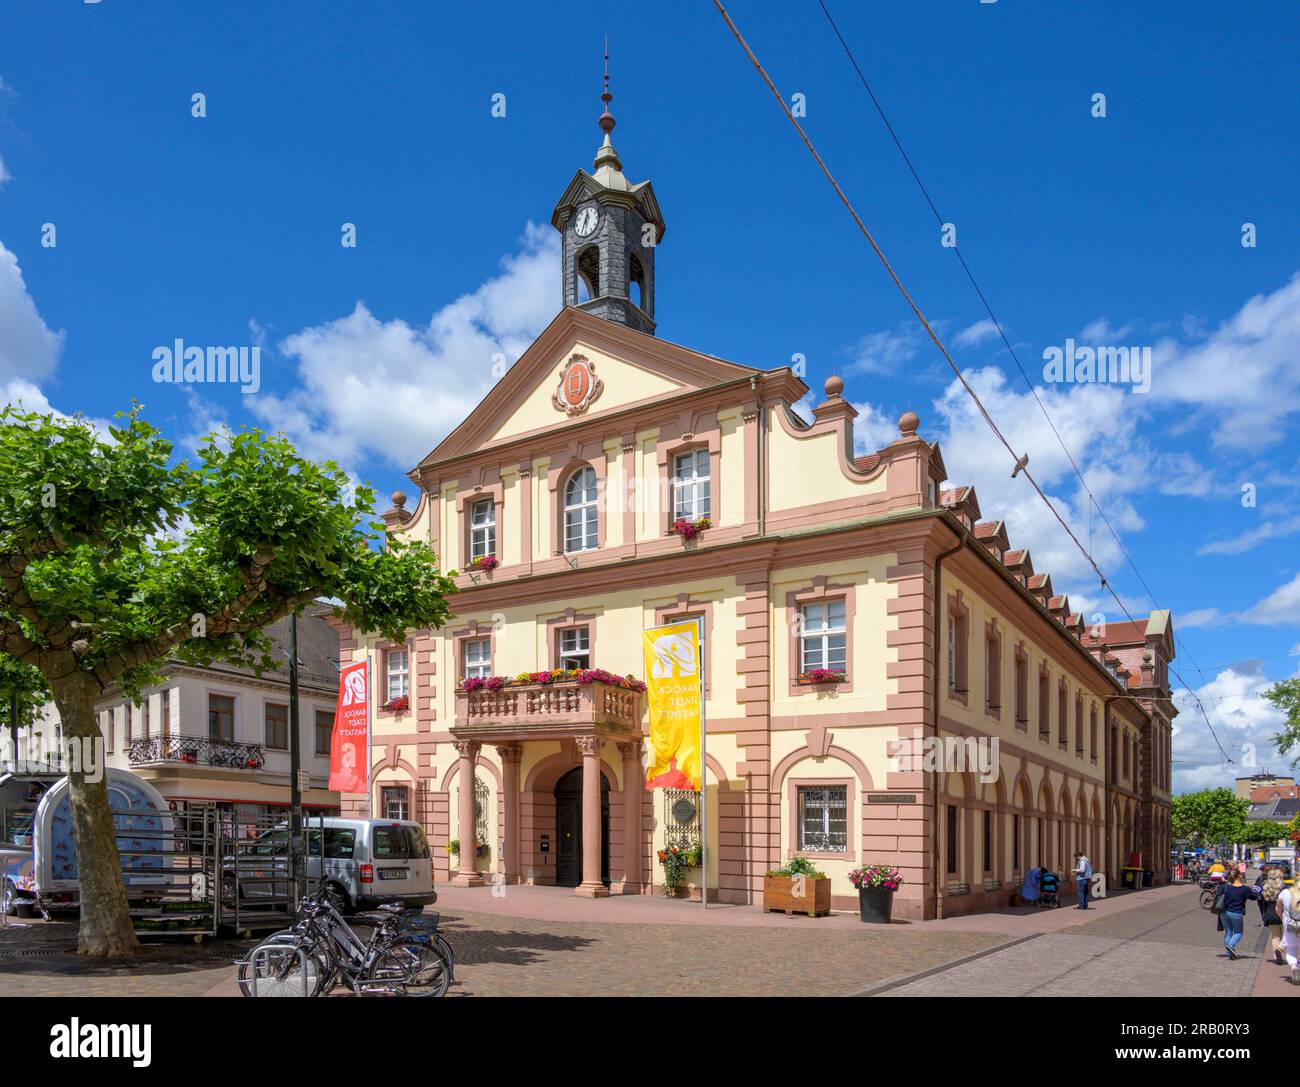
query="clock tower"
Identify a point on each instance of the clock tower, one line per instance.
(610, 230)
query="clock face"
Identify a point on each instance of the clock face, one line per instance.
(585, 224)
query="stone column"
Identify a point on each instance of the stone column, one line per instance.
(633, 793)
(511, 756)
(466, 876)
(591, 886)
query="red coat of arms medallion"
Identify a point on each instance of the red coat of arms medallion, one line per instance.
(579, 386)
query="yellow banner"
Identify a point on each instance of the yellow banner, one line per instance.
(672, 671)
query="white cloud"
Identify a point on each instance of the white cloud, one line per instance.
(1280, 608)
(1244, 721)
(390, 390)
(976, 334)
(1102, 333)
(5, 175)
(872, 429)
(28, 349)
(1241, 380)
(885, 352)
(1201, 617)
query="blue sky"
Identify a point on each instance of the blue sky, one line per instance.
(1122, 230)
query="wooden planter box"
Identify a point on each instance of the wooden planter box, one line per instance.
(778, 894)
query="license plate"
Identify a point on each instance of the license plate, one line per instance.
(393, 873)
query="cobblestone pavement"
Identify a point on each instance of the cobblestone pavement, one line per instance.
(515, 956)
(1166, 947)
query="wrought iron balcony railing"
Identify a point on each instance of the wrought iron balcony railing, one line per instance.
(196, 751)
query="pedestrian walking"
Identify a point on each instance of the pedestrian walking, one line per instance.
(1288, 912)
(1270, 885)
(1230, 904)
(1082, 876)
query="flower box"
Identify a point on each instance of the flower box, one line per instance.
(484, 563)
(687, 529)
(797, 894)
(817, 676)
(397, 705)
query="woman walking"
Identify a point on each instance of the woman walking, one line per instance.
(1270, 885)
(1233, 918)
(1288, 912)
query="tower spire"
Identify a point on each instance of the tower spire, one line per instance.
(607, 157)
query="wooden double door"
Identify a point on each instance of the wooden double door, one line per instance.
(568, 829)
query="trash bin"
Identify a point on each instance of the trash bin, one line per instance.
(1148, 877)
(1128, 878)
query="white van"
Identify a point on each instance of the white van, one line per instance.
(366, 861)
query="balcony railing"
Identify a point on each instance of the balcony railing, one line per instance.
(541, 709)
(196, 751)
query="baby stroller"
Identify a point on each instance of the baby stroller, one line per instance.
(1049, 895)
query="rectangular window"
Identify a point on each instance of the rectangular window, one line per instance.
(221, 717)
(397, 668)
(823, 818)
(128, 721)
(482, 528)
(957, 648)
(478, 658)
(395, 802)
(144, 718)
(1078, 725)
(324, 731)
(166, 713)
(277, 726)
(1022, 690)
(1044, 705)
(575, 648)
(951, 836)
(106, 727)
(993, 673)
(1015, 843)
(691, 484)
(823, 642)
(988, 840)
(1062, 717)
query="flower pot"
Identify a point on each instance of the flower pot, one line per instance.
(875, 905)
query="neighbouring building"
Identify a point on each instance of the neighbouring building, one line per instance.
(219, 735)
(1264, 786)
(571, 476)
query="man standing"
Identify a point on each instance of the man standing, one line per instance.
(1082, 876)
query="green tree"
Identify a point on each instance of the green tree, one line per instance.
(1286, 697)
(32, 692)
(1260, 831)
(113, 558)
(1212, 815)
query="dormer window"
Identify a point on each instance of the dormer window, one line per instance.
(691, 485)
(581, 516)
(482, 529)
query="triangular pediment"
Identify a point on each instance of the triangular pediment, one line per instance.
(632, 369)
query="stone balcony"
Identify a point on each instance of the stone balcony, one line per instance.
(541, 711)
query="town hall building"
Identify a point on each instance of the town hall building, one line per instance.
(612, 481)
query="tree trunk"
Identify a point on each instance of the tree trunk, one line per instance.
(105, 918)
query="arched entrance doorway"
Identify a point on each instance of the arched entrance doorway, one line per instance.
(568, 829)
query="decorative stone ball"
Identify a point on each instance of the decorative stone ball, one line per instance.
(834, 386)
(908, 422)
(399, 499)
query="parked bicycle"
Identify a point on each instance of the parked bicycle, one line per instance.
(321, 950)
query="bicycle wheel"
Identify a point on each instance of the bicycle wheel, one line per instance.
(1207, 899)
(275, 968)
(409, 969)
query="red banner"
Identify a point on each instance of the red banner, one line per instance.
(351, 720)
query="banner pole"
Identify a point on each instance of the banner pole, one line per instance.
(370, 731)
(704, 777)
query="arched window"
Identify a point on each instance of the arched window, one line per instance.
(588, 274)
(581, 519)
(636, 281)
